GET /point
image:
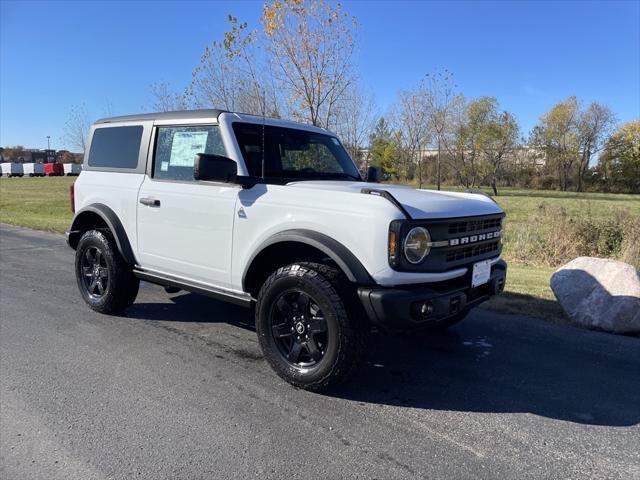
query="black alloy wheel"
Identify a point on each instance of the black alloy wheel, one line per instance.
(299, 328)
(105, 280)
(95, 272)
(308, 328)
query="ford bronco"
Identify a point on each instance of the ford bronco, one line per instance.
(274, 215)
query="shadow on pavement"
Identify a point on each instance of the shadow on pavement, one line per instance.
(501, 365)
(188, 307)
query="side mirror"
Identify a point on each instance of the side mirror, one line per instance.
(373, 174)
(215, 167)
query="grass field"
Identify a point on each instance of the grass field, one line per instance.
(39, 203)
(43, 204)
(528, 293)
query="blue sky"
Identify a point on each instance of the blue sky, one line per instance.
(527, 54)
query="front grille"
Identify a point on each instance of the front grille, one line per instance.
(460, 242)
(471, 252)
(474, 225)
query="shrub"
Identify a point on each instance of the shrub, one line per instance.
(553, 238)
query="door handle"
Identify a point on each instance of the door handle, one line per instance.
(150, 202)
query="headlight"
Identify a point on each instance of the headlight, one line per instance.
(417, 244)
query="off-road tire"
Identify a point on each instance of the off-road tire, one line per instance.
(345, 336)
(121, 286)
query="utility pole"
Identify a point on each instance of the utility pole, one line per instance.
(48, 144)
(438, 163)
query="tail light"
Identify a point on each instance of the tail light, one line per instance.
(72, 197)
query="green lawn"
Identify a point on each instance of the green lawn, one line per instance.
(43, 204)
(39, 203)
(528, 292)
(519, 204)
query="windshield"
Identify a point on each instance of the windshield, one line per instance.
(293, 154)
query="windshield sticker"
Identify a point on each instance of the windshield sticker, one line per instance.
(185, 146)
(164, 166)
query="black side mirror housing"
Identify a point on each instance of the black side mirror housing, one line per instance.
(215, 168)
(373, 174)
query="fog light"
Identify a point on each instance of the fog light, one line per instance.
(422, 310)
(426, 309)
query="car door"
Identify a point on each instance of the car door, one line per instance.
(185, 227)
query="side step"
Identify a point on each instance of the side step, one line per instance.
(243, 299)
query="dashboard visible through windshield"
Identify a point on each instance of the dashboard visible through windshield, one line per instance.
(291, 154)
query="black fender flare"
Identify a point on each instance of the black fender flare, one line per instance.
(113, 222)
(341, 255)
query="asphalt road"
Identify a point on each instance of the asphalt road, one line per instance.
(177, 388)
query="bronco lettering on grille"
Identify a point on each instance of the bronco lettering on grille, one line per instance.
(474, 238)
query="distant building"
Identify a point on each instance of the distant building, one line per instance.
(34, 155)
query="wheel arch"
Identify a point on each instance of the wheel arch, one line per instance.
(297, 245)
(98, 215)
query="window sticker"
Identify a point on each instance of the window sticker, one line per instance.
(185, 146)
(164, 166)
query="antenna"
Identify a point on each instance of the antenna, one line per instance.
(264, 107)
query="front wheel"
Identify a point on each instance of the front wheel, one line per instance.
(303, 326)
(105, 280)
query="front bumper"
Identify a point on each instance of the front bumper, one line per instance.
(399, 308)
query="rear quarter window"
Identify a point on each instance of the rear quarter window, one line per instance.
(115, 147)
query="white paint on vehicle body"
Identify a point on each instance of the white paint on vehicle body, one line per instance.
(209, 232)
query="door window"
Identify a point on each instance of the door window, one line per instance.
(176, 149)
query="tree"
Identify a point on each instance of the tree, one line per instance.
(13, 153)
(76, 128)
(620, 159)
(557, 134)
(383, 148)
(165, 99)
(354, 120)
(413, 129)
(594, 125)
(232, 76)
(69, 157)
(570, 136)
(311, 44)
(470, 140)
(441, 100)
(500, 139)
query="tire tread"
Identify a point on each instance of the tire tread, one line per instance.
(331, 281)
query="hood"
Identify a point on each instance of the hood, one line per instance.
(419, 203)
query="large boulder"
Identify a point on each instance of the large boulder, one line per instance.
(598, 293)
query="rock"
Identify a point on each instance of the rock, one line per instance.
(598, 293)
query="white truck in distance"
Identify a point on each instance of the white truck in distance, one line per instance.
(274, 215)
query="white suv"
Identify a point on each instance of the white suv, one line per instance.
(274, 215)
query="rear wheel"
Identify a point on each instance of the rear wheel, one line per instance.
(105, 280)
(304, 328)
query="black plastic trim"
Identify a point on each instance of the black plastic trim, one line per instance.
(341, 255)
(390, 308)
(114, 224)
(388, 196)
(244, 300)
(480, 192)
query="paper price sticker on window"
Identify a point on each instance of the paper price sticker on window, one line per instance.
(185, 146)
